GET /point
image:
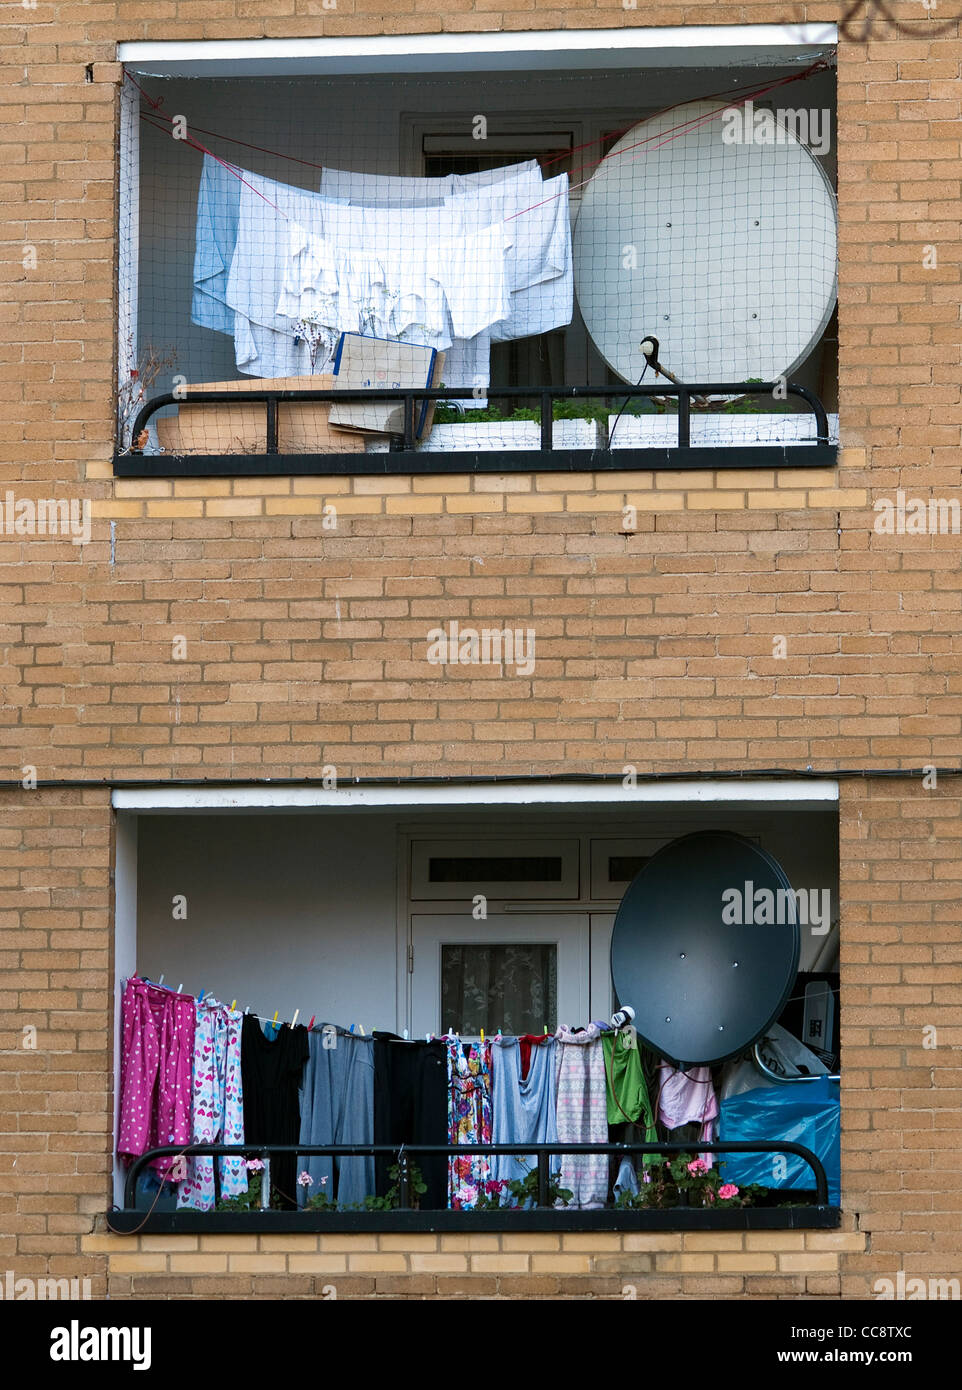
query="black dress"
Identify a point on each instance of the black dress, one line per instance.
(411, 1107)
(271, 1074)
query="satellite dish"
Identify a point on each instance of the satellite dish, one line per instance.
(725, 252)
(705, 987)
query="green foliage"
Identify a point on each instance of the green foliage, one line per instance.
(249, 1200)
(524, 1191)
(673, 1183)
(584, 408)
(392, 1198)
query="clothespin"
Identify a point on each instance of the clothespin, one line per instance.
(427, 1037)
(405, 1035)
(180, 987)
(161, 980)
(200, 997)
(482, 1035)
(311, 1024)
(247, 1008)
(351, 1028)
(294, 1019)
(546, 1030)
(233, 1006)
(274, 1019)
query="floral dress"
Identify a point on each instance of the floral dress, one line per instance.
(469, 1119)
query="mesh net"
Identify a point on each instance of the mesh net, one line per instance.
(383, 231)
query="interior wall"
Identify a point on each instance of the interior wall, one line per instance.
(300, 911)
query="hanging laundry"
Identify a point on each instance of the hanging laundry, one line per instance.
(391, 190)
(337, 1107)
(271, 1074)
(467, 360)
(539, 262)
(384, 190)
(525, 1043)
(540, 266)
(411, 1107)
(625, 1079)
(523, 1101)
(286, 270)
(420, 274)
(218, 1106)
(156, 1056)
(218, 207)
(582, 1113)
(504, 173)
(265, 343)
(469, 1119)
(686, 1097)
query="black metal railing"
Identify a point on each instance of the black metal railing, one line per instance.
(402, 1154)
(406, 440)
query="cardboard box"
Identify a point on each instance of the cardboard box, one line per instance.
(303, 427)
(362, 363)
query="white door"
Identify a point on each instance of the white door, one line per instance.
(517, 972)
(602, 990)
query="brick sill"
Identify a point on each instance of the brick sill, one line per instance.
(417, 464)
(801, 1218)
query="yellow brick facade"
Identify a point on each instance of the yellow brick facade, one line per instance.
(717, 564)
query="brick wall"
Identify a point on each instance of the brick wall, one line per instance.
(305, 647)
(779, 1264)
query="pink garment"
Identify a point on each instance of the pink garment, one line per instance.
(687, 1096)
(582, 1100)
(156, 1057)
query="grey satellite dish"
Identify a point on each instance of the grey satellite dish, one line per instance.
(725, 250)
(703, 986)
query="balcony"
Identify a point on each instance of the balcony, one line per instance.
(810, 1211)
(278, 430)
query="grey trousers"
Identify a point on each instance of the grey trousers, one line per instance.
(337, 1107)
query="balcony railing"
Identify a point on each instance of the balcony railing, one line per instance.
(400, 453)
(542, 1216)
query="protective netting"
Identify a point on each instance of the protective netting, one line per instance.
(384, 231)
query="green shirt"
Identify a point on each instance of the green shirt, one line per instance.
(627, 1092)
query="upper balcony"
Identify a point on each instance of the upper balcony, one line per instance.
(285, 428)
(591, 262)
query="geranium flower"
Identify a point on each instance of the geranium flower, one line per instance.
(697, 1167)
(254, 1165)
(728, 1189)
(305, 1179)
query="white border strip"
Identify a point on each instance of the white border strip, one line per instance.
(449, 795)
(465, 45)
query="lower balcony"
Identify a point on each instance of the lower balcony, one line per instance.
(693, 1208)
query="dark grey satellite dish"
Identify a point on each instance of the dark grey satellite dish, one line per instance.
(705, 947)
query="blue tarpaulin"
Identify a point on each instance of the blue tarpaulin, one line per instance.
(802, 1113)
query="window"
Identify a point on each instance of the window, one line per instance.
(222, 298)
(494, 868)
